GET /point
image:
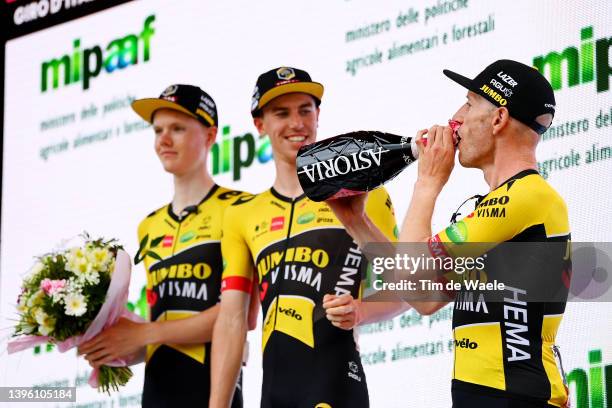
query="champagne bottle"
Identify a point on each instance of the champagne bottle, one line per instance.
(355, 162)
(352, 163)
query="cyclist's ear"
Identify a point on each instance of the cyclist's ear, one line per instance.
(211, 136)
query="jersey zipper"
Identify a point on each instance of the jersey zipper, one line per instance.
(282, 265)
(557, 354)
(176, 236)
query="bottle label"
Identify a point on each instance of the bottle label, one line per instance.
(342, 165)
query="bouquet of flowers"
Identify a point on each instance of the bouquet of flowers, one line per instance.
(70, 296)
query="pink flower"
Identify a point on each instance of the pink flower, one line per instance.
(52, 286)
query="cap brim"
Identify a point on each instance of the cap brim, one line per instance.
(311, 88)
(461, 80)
(145, 108)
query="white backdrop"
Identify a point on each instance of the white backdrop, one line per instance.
(107, 178)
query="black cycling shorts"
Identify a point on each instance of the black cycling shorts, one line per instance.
(328, 376)
(467, 399)
(167, 386)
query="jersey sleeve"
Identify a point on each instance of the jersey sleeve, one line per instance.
(143, 231)
(237, 262)
(379, 209)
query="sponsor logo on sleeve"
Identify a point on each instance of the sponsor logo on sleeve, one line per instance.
(458, 232)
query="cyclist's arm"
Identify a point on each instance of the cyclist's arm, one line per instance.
(233, 321)
(199, 328)
(346, 312)
(417, 229)
(414, 230)
(351, 211)
(195, 329)
(253, 306)
(227, 345)
(378, 306)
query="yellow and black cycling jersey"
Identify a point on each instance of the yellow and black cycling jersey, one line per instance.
(298, 251)
(182, 258)
(504, 344)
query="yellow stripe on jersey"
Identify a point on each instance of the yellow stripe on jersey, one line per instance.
(478, 355)
(196, 351)
(292, 316)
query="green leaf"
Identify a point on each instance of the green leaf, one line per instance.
(156, 241)
(143, 242)
(138, 258)
(154, 255)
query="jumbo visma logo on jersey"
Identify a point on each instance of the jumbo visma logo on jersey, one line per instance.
(183, 280)
(300, 264)
(87, 62)
(200, 271)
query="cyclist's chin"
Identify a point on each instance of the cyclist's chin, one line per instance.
(286, 151)
(172, 167)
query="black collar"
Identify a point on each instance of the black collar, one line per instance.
(284, 198)
(519, 175)
(206, 197)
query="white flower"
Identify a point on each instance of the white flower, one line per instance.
(76, 262)
(40, 315)
(37, 268)
(75, 252)
(75, 286)
(36, 299)
(58, 296)
(93, 278)
(34, 270)
(46, 324)
(45, 329)
(100, 258)
(27, 327)
(75, 304)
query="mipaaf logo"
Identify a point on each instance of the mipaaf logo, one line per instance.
(232, 154)
(578, 63)
(85, 64)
